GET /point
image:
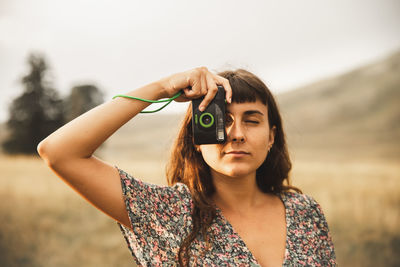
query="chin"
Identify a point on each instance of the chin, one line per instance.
(236, 172)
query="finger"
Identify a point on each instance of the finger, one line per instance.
(212, 90)
(194, 90)
(203, 79)
(228, 89)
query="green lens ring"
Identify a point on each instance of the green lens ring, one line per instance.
(208, 125)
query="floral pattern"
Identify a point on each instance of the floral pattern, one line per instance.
(161, 218)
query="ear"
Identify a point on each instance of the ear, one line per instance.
(272, 132)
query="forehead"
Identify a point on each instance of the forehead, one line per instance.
(244, 108)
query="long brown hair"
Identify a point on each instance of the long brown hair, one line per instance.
(186, 164)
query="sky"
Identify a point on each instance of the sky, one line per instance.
(121, 45)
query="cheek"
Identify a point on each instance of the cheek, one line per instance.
(211, 153)
(261, 147)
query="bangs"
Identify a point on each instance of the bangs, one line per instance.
(245, 90)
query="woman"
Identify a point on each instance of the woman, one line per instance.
(226, 204)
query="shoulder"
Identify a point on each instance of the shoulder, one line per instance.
(129, 182)
(298, 200)
(142, 195)
(302, 205)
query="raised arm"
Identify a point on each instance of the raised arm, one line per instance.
(69, 150)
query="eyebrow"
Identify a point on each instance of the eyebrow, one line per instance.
(250, 112)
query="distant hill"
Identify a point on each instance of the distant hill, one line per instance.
(356, 114)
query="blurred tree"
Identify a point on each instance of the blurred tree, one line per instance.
(36, 113)
(81, 99)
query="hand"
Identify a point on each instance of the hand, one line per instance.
(195, 84)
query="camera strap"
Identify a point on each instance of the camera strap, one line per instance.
(169, 100)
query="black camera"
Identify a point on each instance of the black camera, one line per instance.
(209, 125)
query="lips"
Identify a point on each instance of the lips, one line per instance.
(237, 152)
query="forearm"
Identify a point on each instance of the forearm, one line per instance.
(83, 135)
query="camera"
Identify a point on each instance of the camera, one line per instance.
(209, 126)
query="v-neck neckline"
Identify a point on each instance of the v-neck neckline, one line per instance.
(282, 197)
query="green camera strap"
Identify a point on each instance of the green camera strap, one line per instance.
(169, 100)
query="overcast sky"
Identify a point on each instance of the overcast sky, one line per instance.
(120, 45)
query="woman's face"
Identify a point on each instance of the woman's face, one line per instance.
(249, 138)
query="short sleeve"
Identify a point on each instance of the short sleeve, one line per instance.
(160, 217)
(323, 247)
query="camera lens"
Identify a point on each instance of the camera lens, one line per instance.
(206, 120)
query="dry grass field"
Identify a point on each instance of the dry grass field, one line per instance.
(45, 223)
(361, 201)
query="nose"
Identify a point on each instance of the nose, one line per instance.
(235, 133)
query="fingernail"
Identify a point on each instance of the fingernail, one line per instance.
(201, 108)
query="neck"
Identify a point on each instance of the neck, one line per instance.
(236, 193)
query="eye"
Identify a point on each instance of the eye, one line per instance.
(228, 120)
(252, 121)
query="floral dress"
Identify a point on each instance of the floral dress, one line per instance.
(161, 219)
